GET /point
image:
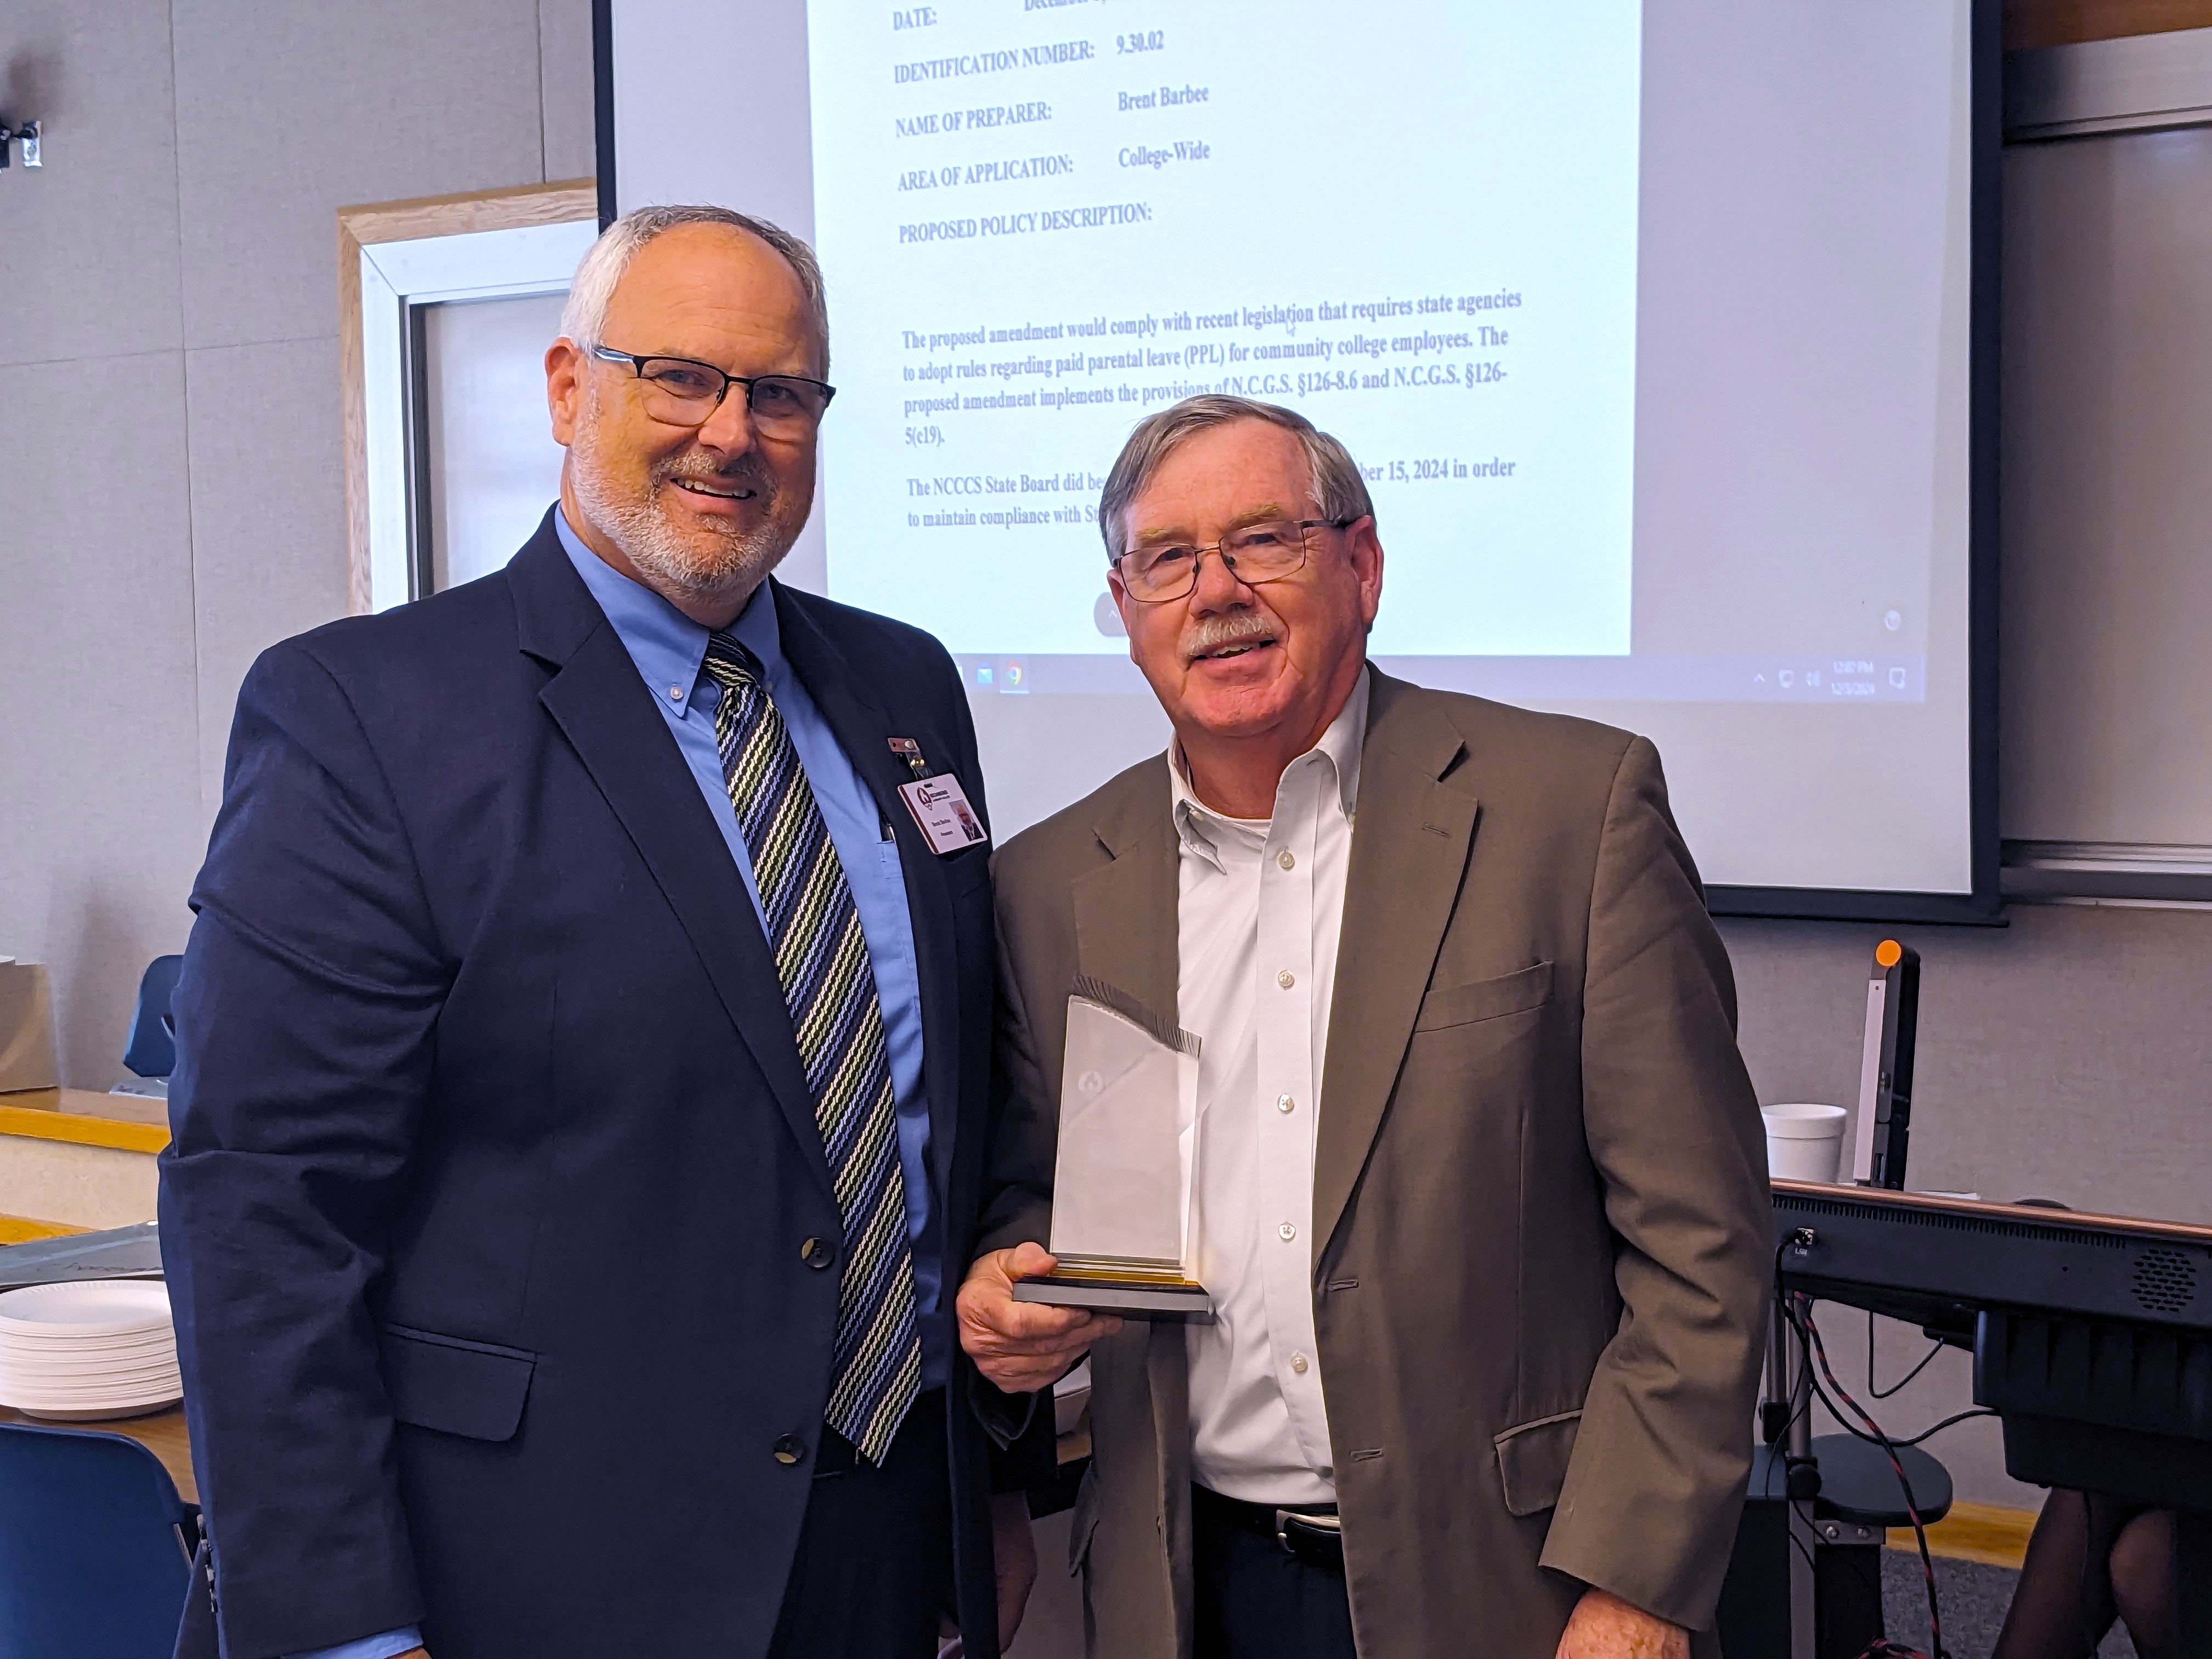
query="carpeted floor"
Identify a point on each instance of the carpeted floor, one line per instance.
(1973, 1599)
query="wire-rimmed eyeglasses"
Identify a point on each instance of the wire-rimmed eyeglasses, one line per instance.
(1263, 552)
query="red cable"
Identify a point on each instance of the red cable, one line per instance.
(1883, 1647)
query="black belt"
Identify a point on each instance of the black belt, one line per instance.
(1311, 1532)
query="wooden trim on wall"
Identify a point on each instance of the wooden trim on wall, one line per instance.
(2029, 24)
(402, 221)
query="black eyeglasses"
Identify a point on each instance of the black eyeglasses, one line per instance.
(685, 394)
(1263, 552)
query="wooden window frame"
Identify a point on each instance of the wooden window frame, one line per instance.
(530, 206)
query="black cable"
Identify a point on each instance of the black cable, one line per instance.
(1782, 1302)
(1816, 1347)
(1782, 1309)
(1796, 1505)
(1955, 1418)
(1951, 1421)
(1809, 1332)
(1808, 1337)
(1790, 1505)
(1789, 1531)
(1926, 1359)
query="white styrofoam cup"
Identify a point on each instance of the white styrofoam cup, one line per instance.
(1804, 1141)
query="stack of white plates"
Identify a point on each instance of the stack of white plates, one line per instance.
(96, 1348)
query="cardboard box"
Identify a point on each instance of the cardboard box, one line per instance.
(27, 1028)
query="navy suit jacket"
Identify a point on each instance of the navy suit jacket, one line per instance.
(493, 1159)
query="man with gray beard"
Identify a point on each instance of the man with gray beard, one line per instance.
(582, 1054)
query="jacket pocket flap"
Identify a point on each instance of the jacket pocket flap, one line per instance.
(455, 1386)
(1487, 998)
(1532, 1462)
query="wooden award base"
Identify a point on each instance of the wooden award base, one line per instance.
(1132, 1289)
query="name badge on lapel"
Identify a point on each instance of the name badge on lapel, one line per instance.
(939, 804)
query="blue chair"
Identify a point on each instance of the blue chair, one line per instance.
(95, 1546)
(152, 1048)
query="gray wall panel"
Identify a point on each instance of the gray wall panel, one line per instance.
(147, 555)
(268, 507)
(89, 243)
(2065, 1056)
(99, 786)
(564, 51)
(288, 110)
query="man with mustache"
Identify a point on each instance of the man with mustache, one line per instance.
(1482, 1189)
(582, 1056)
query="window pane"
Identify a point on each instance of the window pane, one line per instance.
(494, 466)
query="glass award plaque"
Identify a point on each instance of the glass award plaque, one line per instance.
(1124, 1225)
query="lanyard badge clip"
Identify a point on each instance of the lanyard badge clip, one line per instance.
(938, 804)
(911, 751)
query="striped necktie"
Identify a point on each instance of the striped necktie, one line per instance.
(822, 959)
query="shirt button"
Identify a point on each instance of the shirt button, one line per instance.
(1285, 858)
(1286, 1232)
(816, 1254)
(1284, 1104)
(1299, 1363)
(1286, 979)
(676, 694)
(789, 1448)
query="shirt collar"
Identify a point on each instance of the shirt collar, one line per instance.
(1198, 825)
(666, 644)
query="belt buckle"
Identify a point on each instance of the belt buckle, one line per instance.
(1327, 1524)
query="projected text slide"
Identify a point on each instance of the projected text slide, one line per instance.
(1043, 219)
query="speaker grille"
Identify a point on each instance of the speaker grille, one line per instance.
(2165, 1280)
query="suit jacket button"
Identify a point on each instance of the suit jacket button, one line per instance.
(816, 1254)
(789, 1448)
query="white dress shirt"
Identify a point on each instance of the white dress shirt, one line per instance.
(1260, 905)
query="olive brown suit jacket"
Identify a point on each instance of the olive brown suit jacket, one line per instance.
(1540, 1222)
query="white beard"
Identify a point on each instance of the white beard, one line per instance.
(738, 561)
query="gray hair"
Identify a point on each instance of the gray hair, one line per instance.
(593, 288)
(1340, 488)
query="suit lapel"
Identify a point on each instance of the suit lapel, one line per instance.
(1409, 852)
(1125, 910)
(863, 730)
(603, 708)
(1126, 933)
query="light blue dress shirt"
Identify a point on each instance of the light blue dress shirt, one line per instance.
(386, 1646)
(668, 649)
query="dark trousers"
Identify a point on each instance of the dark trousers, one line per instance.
(874, 1570)
(1255, 1601)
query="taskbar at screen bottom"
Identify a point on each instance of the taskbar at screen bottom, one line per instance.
(1805, 677)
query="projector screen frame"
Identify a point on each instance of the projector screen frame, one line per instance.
(1983, 905)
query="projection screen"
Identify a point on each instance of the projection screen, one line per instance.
(1663, 330)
